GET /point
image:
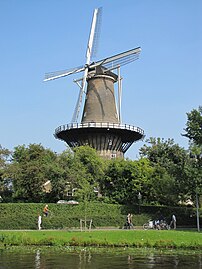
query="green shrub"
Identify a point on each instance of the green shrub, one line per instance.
(63, 216)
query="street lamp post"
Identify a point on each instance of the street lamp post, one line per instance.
(197, 202)
(139, 197)
(197, 212)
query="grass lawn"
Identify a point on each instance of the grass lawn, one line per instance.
(117, 238)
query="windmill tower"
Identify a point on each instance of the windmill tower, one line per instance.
(100, 125)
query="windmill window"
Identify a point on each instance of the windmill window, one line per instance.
(69, 193)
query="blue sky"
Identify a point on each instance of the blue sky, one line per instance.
(41, 36)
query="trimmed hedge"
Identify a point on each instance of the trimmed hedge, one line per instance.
(63, 216)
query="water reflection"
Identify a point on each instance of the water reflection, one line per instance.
(158, 261)
(84, 259)
(37, 260)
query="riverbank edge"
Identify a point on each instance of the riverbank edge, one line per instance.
(99, 250)
(137, 239)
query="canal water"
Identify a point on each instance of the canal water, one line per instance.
(85, 259)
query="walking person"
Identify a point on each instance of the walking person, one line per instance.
(39, 221)
(173, 222)
(128, 219)
(131, 221)
(129, 224)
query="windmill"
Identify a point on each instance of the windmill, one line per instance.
(100, 125)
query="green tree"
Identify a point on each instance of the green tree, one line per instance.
(81, 171)
(194, 126)
(162, 187)
(169, 161)
(91, 160)
(61, 176)
(194, 166)
(5, 184)
(93, 165)
(29, 171)
(124, 179)
(85, 175)
(34, 165)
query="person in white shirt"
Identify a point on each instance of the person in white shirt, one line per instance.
(39, 222)
(173, 222)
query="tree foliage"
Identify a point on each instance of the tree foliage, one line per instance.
(194, 166)
(161, 175)
(124, 179)
(194, 126)
(4, 181)
(29, 170)
(165, 173)
(169, 160)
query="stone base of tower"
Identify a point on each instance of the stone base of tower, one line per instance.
(111, 140)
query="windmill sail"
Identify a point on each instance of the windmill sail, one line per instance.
(63, 73)
(118, 59)
(97, 33)
(90, 49)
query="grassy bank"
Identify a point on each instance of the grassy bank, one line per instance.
(120, 238)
